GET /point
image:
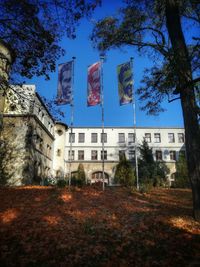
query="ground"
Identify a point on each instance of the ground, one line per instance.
(47, 227)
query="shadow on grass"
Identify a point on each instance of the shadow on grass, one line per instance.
(44, 226)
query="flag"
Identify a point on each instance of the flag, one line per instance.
(94, 84)
(64, 92)
(125, 83)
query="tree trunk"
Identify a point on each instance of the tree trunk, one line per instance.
(187, 95)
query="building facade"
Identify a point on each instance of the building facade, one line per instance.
(26, 138)
(33, 146)
(84, 145)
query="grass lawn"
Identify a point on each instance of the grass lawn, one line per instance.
(46, 226)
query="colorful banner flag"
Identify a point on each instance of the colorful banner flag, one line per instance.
(94, 84)
(125, 83)
(64, 92)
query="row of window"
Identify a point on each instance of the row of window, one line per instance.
(131, 137)
(171, 137)
(47, 123)
(81, 137)
(131, 155)
(40, 145)
(94, 155)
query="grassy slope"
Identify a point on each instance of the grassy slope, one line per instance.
(44, 226)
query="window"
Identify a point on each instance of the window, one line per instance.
(59, 132)
(72, 157)
(131, 137)
(71, 137)
(181, 138)
(42, 117)
(131, 154)
(158, 155)
(80, 154)
(94, 137)
(104, 137)
(58, 152)
(81, 137)
(157, 138)
(94, 155)
(41, 144)
(172, 155)
(121, 137)
(147, 137)
(48, 150)
(121, 154)
(171, 137)
(105, 155)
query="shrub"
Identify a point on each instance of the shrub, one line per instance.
(151, 172)
(75, 181)
(124, 173)
(61, 183)
(145, 188)
(181, 175)
(49, 181)
(181, 182)
(78, 178)
(81, 175)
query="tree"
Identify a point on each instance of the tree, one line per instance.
(81, 175)
(150, 171)
(181, 175)
(78, 177)
(124, 173)
(33, 29)
(156, 27)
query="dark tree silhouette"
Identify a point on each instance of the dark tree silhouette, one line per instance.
(157, 27)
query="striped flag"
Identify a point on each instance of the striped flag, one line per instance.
(125, 83)
(94, 84)
(64, 92)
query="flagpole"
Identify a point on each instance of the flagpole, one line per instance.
(134, 125)
(102, 110)
(72, 122)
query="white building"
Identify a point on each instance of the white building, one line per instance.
(166, 144)
(34, 146)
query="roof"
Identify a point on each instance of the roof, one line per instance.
(62, 123)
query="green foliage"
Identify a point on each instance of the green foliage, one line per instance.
(124, 173)
(181, 175)
(146, 153)
(61, 183)
(81, 172)
(145, 188)
(79, 178)
(150, 171)
(142, 24)
(49, 181)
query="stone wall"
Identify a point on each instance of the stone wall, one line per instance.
(16, 152)
(21, 161)
(92, 167)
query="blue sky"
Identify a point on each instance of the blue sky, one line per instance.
(86, 55)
